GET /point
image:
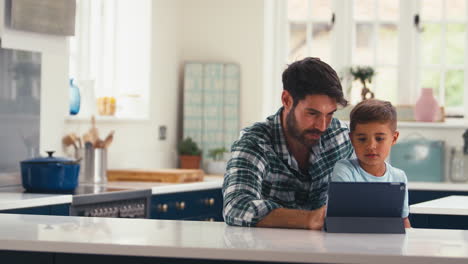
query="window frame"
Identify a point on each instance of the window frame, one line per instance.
(100, 28)
(408, 65)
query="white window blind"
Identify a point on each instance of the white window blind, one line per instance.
(111, 49)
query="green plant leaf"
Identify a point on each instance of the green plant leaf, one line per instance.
(189, 147)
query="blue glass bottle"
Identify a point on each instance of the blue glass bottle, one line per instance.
(74, 98)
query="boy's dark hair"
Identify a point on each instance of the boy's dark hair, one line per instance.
(373, 110)
(312, 76)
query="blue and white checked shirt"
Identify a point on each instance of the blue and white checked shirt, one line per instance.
(262, 175)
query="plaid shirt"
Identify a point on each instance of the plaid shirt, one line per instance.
(262, 175)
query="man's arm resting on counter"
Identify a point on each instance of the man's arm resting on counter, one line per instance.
(294, 218)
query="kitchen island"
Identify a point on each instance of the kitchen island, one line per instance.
(58, 239)
(449, 212)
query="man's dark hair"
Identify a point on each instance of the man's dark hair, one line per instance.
(312, 76)
(373, 110)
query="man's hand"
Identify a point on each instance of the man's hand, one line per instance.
(293, 218)
(317, 218)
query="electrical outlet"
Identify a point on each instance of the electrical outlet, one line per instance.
(162, 132)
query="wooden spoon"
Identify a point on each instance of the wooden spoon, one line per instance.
(93, 132)
(108, 139)
(68, 140)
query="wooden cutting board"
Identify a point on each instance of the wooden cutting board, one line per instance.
(159, 175)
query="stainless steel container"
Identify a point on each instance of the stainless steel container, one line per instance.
(100, 165)
(94, 165)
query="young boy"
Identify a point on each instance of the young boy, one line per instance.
(373, 133)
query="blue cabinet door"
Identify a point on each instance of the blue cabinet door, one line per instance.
(59, 209)
(41, 210)
(435, 221)
(193, 205)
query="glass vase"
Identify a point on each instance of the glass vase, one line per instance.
(74, 98)
(426, 108)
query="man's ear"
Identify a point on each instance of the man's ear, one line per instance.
(396, 134)
(287, 100)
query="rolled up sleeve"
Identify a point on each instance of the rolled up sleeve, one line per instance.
(243, 204)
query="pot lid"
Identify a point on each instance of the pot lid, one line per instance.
(49, 158)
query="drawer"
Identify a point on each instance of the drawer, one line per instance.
(186, 205)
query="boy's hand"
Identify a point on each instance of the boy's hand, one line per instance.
(317, 218)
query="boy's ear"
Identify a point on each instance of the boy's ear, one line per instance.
(396, 134)
(350, 134)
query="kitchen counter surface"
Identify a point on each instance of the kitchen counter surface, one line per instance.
(208, 240)
(438, 186)
(16, 200)
(13, 196)
(209, 182)
(451, 205)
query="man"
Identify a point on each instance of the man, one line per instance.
(279, 170)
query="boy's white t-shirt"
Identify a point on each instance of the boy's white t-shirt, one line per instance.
(351, 171)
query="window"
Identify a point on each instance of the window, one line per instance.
(109, 55)
(309, 29)
(442, 43)
(384, 34)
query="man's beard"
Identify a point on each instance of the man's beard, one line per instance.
(292, 128)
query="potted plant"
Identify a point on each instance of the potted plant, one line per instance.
(364, 74)
(217, 162)
(189, 154)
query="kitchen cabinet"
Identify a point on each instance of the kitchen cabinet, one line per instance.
(419, 196)
(444, 213)
(58, 209)
(435, 221)
(26, 257)
(204, 205)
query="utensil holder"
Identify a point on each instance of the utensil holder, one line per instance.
(94, 165)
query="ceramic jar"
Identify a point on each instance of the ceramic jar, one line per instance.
(426, 108)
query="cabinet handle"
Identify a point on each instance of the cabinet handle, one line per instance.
(162, 208)
(180, 205)
(209, 202)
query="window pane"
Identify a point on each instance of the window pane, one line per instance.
(386, 84)
(455, 43)
(321, 9)
(456, 9)
(297, 9)
(321, 37)
(431, 79)
(364, 9)
(430, 42)
(364, 42)
(454, 88)
(389, 10)
(431, 9)
(388, 44)
(297, 41)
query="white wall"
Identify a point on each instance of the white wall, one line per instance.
(136, 143)
(228, 31)
(202, 30)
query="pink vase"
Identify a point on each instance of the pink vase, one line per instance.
(426, 107)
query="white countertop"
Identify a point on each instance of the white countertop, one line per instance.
(15, 200)
(437, 186)
(12, 197)
(451, 205)
(190, 239)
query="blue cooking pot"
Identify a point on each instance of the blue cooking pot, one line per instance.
(49, 174)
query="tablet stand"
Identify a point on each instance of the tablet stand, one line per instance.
(377, 225)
